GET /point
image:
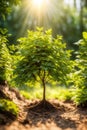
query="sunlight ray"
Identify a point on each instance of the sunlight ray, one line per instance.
(40, 13)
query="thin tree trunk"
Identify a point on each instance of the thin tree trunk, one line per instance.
(44, 88)
(44, 91)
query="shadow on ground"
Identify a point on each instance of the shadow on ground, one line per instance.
(38, 115)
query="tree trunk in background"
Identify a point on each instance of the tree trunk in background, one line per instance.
(86, 3)
(81, 17)
(75, 4)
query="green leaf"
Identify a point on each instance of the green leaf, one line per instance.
(85, 35)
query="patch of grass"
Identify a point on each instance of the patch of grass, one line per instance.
(60, 93)
(25, 94)
(32, 93)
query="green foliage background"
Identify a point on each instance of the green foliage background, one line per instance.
(80, 75)
(5, 60)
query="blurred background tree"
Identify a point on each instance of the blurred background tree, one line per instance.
(5, 6)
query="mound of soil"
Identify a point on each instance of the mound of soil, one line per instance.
(42, 106)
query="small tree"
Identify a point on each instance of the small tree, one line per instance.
(42, 58)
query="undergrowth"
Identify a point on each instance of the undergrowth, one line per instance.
(9, 106)
(80, 96)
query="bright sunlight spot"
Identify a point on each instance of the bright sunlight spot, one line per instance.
(42, 10)
(38, 3)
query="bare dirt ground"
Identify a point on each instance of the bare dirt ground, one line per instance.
(66, 116)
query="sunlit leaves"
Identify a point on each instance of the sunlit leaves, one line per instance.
(5, 61)
(9, 106)
(85, 35)
(80, 76)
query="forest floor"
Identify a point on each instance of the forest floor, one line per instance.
(62, 116)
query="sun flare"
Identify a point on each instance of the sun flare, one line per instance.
(38, 3)
(40, 12)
